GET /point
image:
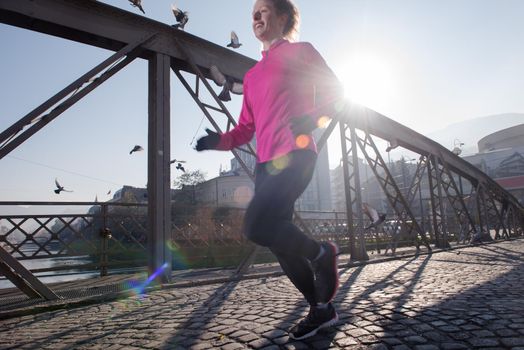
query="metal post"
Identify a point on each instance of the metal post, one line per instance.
(483, 231)
(422, 224)
(357, 253)
(105, 235)
(433, 202)
(158, 187)
(362, 251)
(443, 242)
(347, 191)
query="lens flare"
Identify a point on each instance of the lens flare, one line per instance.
(179, 260)
(302, 141)
(276, 166)
(323, 121)
(281, 163)
(243, 195)
(138, 288)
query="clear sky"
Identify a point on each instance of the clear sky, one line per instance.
(425, 64)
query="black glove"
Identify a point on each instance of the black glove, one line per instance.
(208, 142)
(302, 125)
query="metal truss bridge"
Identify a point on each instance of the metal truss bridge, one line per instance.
(485, 206)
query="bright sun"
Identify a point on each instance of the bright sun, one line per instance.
(367, 80)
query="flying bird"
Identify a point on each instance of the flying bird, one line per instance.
(234, 41)
(137, 148)
(177, 161)
(60, 188)
(137, 3)
(179, 164)
(227, 83)
(108, 192)
(180, 16)
(374, 216)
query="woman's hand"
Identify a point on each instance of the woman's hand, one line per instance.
(210, 141)
(302, 125)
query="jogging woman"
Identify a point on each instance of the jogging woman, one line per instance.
(285, 94)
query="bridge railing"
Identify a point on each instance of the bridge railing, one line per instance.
(71, 236)
(74, 237)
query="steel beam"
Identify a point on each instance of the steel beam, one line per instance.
(389, 186)
(353, 193)
(416, 186)
(454, 196)
(379, 125)
(348, 189)
(496, 217)
(483, 234)
(27, 126)
(98, 24)
(158, 168)
(23, 278)
(438, 208)
(416, 181)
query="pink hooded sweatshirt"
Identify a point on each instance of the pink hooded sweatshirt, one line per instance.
(291, 80)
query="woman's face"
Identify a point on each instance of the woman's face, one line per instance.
(267, 24)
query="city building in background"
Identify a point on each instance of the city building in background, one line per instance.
(233, 188)
(501, 156)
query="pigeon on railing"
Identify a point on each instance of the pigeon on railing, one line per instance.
(227, 83)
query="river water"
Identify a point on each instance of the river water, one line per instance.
(51, 276)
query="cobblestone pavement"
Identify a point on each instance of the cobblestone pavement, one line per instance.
(462, 299)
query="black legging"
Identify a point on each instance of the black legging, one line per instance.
(268, 219)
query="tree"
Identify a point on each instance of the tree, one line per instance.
(190, 178)
(186, 183)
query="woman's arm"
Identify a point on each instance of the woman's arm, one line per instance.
(241, 134)
(244, 131)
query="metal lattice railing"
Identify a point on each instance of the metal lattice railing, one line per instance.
(103, 236)
(71, 241)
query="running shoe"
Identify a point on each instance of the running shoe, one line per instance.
(326, 273)
(316, 319)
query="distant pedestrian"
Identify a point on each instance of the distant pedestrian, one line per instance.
(285, 94)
